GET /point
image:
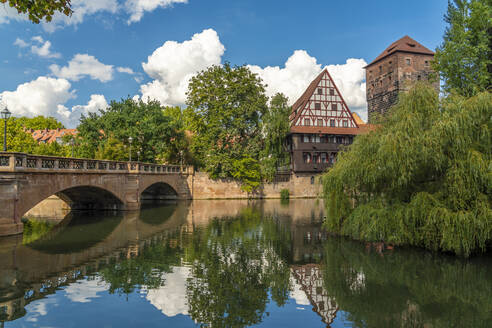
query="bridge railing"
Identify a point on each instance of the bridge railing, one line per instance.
(21, 162)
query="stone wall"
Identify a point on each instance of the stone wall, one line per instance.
(299, 186)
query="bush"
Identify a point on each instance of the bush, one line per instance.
(284, 194)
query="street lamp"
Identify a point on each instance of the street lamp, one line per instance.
(130, 140)
(138, 154)
(5, 115)
(72, 143)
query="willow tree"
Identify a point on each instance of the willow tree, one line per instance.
(421, 178)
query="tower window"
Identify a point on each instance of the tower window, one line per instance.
(320, 91)
(307, 122)
(426, 63)
(409, 62)
(317, 106)
(332, 123)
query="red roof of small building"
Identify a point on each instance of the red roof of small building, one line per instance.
(49, 136)
(405, 44)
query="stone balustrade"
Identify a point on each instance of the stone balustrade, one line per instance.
(21, 162)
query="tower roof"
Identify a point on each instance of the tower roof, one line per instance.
(405, 44)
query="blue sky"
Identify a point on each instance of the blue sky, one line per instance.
(111, 49)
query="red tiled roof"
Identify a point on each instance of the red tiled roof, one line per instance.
(405, 44)
(49, 136)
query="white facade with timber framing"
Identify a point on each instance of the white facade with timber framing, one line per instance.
(320, 122)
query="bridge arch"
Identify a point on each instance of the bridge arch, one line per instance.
(157, 192)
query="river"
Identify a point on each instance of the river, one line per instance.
(230, 263)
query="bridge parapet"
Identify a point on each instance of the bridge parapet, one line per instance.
(21, 162)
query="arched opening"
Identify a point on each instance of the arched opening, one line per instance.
(158, 193)
(90, 198)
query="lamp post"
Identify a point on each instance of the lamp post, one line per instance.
(72, 142)
(138, 156)
(130, 140)
(5, 115)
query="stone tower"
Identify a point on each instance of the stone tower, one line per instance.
(393, 71)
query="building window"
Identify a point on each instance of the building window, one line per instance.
(345, 123)
(312, 180)
(320, 122)
(317, 106)
(332, 123)
(332, 158)
(306, 157)
(409, 62)
(320, 91)
(307, 122)
(380, 69)
(426, 63)
(306, 138)
(333, 106)
(316, 138)
(332, 92)
(323, 157)
(418, 77)
(315, 158)
(339, 140)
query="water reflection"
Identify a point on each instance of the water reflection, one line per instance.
(230, 264)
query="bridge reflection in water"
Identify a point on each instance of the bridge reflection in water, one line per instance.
(206, 259)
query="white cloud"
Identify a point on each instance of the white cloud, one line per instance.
(20, 43)
(137, 8)
(84, 65)
(83, 291)
(81, 9)
(47, 96)
(126, 70)
(297, 293)
(8, 14)
(37, 38)
(44, 51)
(300, 69)
(38, 97)
(173, 64)
(171, 298)
(95, 103)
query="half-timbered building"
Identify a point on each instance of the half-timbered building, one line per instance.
(321, 123)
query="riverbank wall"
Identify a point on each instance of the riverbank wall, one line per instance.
(299, 186)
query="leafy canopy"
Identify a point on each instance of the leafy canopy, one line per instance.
(464, 59)
(225, 107)
(422, 178)
(105, 134)
(275, 128)
(37, 10)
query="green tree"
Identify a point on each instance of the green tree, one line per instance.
(422, 178)
(225, 107)
(40, 123)
(38, 10)
(247, 170)
(18, 140)
(178, 150)
(113, 149)
(276, 127)
(464, 59)
(151, 130)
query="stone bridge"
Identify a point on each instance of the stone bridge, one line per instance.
(26, 180)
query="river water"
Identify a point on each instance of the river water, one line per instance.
(229, 264)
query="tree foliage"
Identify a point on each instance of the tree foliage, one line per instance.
(106, 133)
(37, 10)
(19, 140)
(225, 107)
(464, 59)
(422, 178)
(276, 127)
